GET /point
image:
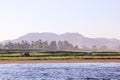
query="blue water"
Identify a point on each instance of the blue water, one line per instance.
(60, 71)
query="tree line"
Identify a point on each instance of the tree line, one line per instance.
(41, 45)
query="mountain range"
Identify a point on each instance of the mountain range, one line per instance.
(74, 38)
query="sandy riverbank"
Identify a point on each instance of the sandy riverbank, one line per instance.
(57, 61)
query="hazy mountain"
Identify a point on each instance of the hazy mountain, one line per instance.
(74, 38)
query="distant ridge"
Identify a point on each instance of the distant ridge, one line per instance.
(74, 38)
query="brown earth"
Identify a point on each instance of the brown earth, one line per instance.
(58, 61)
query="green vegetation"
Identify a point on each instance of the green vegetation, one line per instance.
(39, 45)
(61, 55)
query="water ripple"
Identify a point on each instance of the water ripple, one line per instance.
(60, 71)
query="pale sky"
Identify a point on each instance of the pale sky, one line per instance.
(91, 18)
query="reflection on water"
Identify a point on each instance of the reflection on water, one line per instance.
(60, 71)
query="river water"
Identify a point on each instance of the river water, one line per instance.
(60, 71)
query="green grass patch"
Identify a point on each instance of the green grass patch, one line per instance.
(61, 56)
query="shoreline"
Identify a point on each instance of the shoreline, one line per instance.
(59, 61)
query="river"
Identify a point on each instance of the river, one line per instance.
(60, 71)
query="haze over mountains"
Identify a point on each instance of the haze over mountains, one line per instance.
(74, 38)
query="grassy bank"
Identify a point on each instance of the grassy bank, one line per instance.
(61, 56)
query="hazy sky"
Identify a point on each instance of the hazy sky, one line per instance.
(92, 18)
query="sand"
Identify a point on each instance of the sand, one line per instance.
(57, 61)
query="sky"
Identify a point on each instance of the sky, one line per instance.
(91, 18)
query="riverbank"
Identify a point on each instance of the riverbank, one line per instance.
(58, 61)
